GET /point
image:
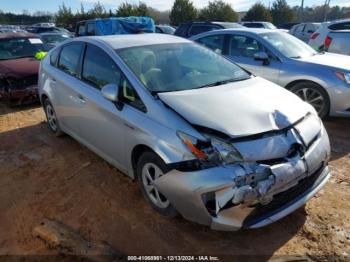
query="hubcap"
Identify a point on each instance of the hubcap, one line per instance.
(313, 97)
(51, 117)
(150, 172)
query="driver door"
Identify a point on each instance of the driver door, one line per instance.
(241, 49)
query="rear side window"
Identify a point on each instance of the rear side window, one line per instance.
(299, 29)
(81, 29)
(91, 29)
(181, 30)
(69, 58)
(254, 25)
(54, 57)
(197, 29)
(99, 69)
(340, 26)
(214, 42)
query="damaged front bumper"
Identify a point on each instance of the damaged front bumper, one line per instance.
(250, 195)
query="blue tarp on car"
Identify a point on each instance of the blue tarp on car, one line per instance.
(125, 25)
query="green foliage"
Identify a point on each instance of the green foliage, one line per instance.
(182, 11)
(281, 12)
(126, 9)
(218, 11)
(258, 12)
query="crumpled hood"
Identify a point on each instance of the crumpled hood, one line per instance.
(240, 108)
(329, 59)
(19, 67)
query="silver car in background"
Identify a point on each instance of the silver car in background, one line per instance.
(338, 42)
(321, 79)
(203, 137)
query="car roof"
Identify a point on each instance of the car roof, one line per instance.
(133, 40)
(17, 35)
(244, 30)
(54, 33)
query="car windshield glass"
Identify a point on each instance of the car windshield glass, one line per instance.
(54, 38)
(168, 29)
(270, 26)
(20, 47)
(288, 45)
(175, 67)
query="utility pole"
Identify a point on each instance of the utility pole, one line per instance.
(326, 5)
(302, 10)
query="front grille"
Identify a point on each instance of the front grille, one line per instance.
(283, 199)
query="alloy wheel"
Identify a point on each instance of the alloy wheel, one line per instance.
(51, 117)
(313, 97)
(151, 172)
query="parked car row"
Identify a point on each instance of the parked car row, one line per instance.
(203, 137)
(205, 128)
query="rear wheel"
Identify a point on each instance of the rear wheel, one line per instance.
(150, 167)
(51, 118)
(314, 95)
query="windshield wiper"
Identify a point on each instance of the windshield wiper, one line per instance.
(222, 82)
(295, 57)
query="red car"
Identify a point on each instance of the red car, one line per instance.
(18, 66)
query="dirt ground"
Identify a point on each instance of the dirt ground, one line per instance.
(42, 176)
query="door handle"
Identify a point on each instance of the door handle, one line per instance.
(80, 99)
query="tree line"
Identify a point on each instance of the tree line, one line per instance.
(182, 11)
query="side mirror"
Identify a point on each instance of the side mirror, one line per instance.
(110, 92)
(262, 56)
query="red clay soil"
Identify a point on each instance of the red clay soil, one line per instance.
(42, 176)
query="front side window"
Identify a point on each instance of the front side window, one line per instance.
(181, 66)
(288, 45)
(16, 48)
(69, 58)
(99, 69)
(214, 42)
(244, 46)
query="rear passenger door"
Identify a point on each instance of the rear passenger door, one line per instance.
(65, 87)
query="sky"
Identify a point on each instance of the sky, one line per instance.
(17, 6)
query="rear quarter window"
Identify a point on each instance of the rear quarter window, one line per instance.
(54, 57)
(340, 26)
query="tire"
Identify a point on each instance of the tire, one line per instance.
(314, 95)
(51, 118)
(156, 167)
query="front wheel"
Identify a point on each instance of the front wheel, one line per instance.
(149, 168)
(314, 95)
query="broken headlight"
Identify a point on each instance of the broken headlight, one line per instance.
(212, 151)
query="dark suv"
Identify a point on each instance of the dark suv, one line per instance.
(193, 28)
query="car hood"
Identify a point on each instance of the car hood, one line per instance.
(330, 60)
(19, 67)
(240, 108)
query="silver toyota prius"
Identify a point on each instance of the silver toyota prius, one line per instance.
(321, 79)
(204, 138)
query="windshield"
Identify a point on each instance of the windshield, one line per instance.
(288, 45)
(175, 67)
(54, 38)
(20, 47)
(168, 29)
(270, 26)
